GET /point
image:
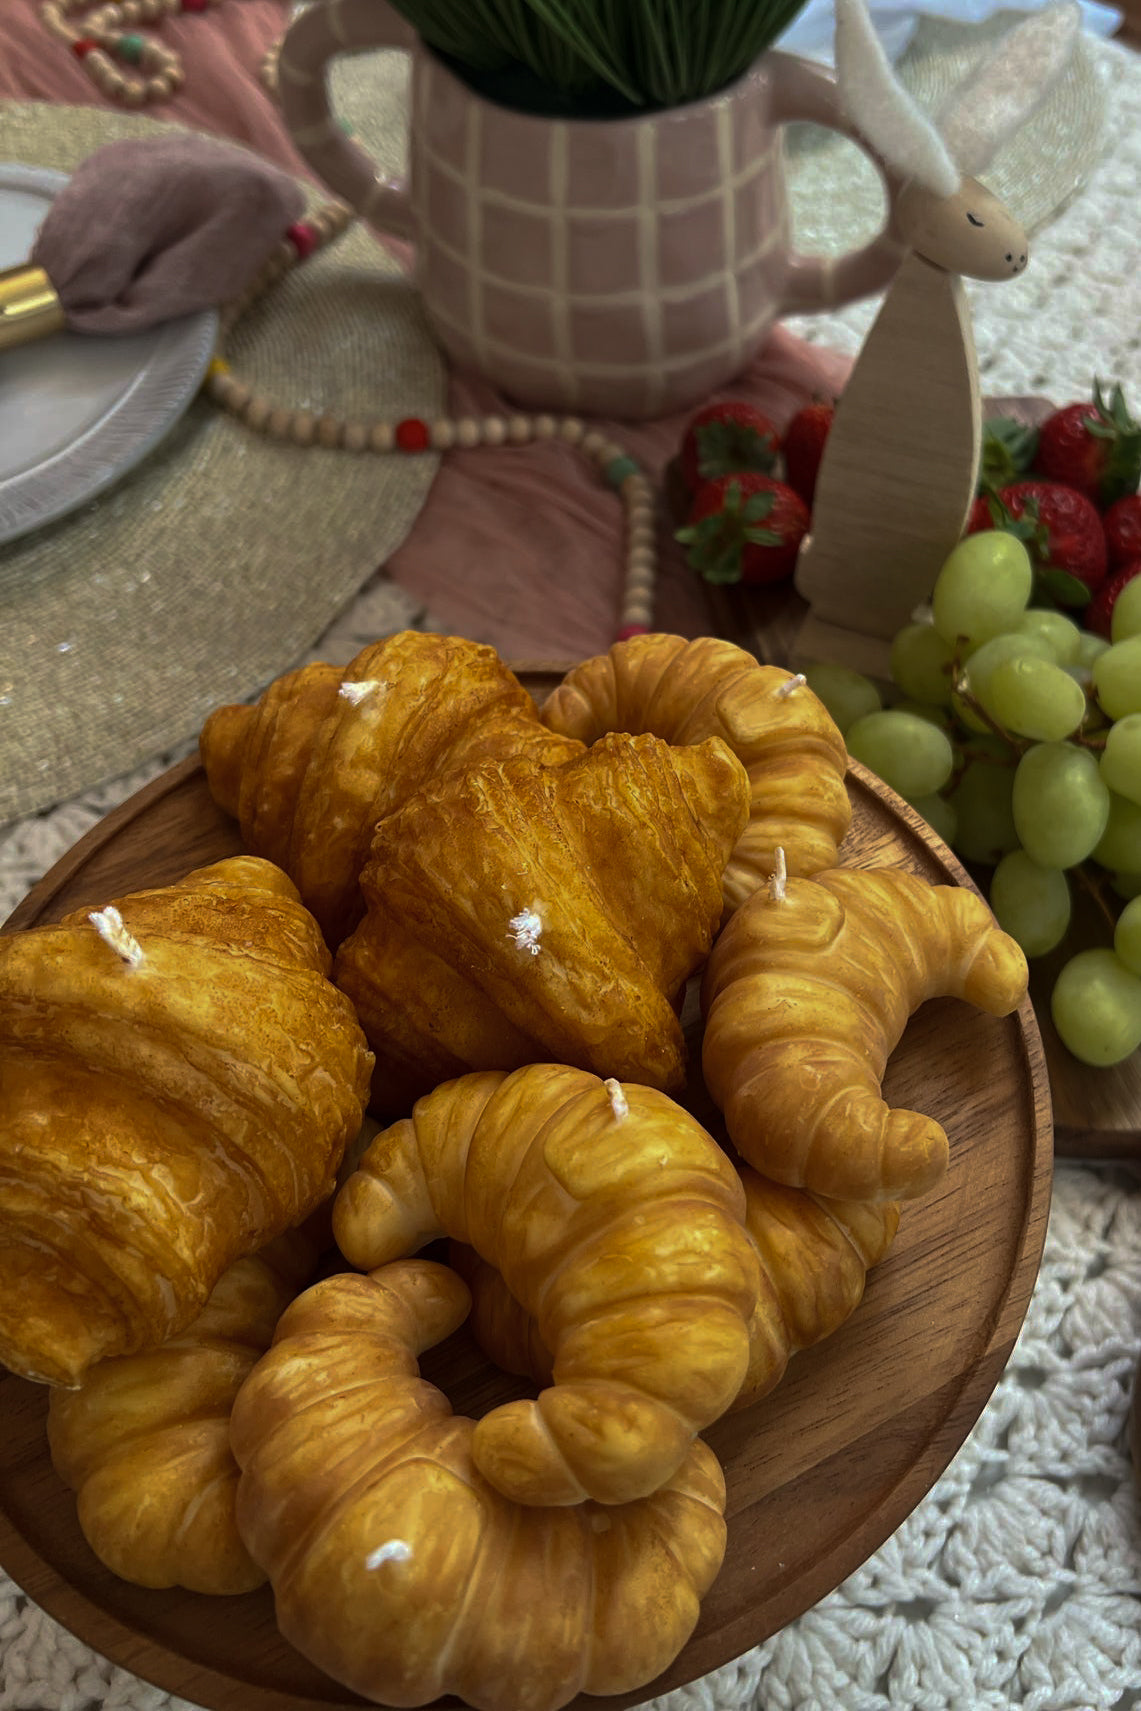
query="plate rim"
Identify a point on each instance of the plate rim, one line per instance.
(163, 389)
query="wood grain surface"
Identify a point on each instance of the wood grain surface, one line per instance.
(819, 1473)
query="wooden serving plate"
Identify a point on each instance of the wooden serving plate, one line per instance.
(819, 1473)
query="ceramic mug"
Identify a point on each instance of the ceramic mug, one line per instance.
(626, 267)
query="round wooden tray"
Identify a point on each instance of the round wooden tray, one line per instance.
(819, 1473)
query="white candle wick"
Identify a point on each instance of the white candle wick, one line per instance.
(108, 923)
(618, 1101)
(393, 1550)
(790, 684)
(779, 876)
(356, 692)
(525, 928)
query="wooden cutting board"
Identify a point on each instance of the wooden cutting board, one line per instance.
(818, 1474)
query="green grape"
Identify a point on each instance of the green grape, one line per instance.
(984, 817)
(1127, 936)
(1096, 1006)
(1034, 698)
(909, 754)
(1117, 678)
(1090, 646)
(1061, 633)
(1126, 619)
(1061, 806)
(982, 588)
(921, 664)
(846, 694)
(1119, 847)
(1121, 757)
(985, 660)
(1127, 885)
(940, 717)
(939, 815)
(1031, 903)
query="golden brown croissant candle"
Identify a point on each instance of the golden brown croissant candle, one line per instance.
(616, 1222)
(145, 1440)
(687, 691)
(179, 1080)
(815, 1256)
(519, 913)
(805, 998)
(398, 1570)
(327, 751)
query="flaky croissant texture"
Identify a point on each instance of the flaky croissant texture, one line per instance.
(145, 1440)
(519, 913)
(616, 1223)
(685, 691)
(398, 1570)
(179, 1080)
(815, 1257)
(806, 996)
(329, 750)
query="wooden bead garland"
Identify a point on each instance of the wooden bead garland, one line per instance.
(108, 46)
(412, 436)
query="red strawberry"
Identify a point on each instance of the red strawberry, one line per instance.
(1122, 525)
(1095, 448)
(1062, 531)
(1098, 615)
(727, 438)
(804, 447)
(744, 528)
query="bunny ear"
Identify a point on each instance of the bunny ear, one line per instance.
(1002, 93)
(882, 109)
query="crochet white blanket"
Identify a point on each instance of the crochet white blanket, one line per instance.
(1017, 1582)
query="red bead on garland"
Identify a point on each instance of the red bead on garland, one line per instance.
(629, 630)
(412, 435)
(195, 5)
(303, 238)
(83, 47)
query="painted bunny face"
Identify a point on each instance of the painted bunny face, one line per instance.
(971, 232)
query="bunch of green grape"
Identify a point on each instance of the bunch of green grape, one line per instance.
(1017, 735)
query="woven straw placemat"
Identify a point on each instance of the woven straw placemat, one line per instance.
(215, 564)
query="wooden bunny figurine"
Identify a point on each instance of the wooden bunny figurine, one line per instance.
(901, 463)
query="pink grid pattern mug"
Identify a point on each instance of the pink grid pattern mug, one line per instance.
(624, 267)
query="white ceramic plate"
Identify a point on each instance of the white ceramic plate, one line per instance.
(77, 412)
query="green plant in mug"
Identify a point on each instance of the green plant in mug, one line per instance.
(600, 55)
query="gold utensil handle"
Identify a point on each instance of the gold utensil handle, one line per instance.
(29, 307)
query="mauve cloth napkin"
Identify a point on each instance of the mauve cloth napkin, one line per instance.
(150, 229)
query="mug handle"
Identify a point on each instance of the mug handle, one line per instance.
(312, 40)
(805, 91)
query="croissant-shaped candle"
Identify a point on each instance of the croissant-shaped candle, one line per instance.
(519, 913)
(398, 1570)
(145, 1440)
(166, 1105)
(687, 691)
(806, 996)
(328, 751)
(815, 1256)
(616, 1222)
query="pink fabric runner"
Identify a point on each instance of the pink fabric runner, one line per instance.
(521, 548)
